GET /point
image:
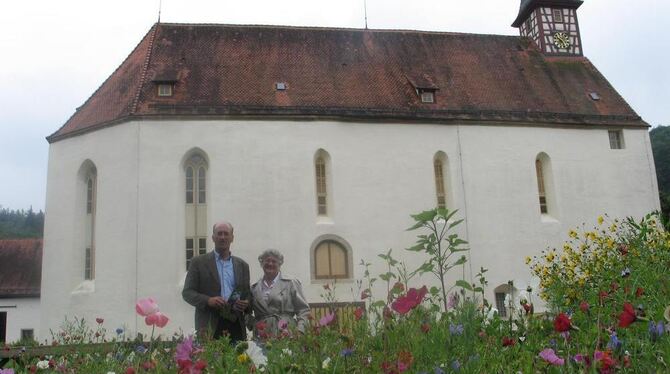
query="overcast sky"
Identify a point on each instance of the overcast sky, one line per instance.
(55, 54)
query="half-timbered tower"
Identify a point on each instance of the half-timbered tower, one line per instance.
(552, 25)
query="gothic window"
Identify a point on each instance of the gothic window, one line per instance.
(545, 186)
(331, 261)
(89, 230)
(195, 178)
(323, 182)
(540, 186)
(438, 168)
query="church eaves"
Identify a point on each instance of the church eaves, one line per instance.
(224, 70)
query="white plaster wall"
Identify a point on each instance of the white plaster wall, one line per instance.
(261, 178)
(22, 313)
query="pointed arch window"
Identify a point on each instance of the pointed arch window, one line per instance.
(323, 182)
(331, 261)
(440, 173)
(542, 193)
(195, 178)
(89, 230)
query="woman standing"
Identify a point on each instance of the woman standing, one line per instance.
(278, 303)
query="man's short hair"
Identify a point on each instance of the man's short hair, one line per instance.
(232, 229)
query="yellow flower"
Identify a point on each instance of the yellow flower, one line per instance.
(550, 256)
(528, 260)
(600, 220)
(573, 234)
(243, 358)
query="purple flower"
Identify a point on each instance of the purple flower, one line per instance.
(327, 319)
(550, 356)
(614, 343)
(656, 330)
(346, 352)
(184, 349)
(438, 370)
(456, 329)
(119, 331)
(455, 365)
(6, 371)
(452, 300)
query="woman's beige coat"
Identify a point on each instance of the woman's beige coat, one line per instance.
(285, 302)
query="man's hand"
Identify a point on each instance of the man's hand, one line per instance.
(216, 302)
(241, 305)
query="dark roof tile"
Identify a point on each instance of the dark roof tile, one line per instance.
(20, 267)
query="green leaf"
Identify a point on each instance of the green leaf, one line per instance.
(378, 304)
(415, 226)
(455, 223)
(387, 276)
(416, 248)
(461, 261)
(434, 291)
(463, 284)
(425, 216)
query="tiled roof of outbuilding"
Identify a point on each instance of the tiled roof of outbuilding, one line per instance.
(351, 73)
(20, 267)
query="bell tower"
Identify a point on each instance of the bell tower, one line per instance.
(552, 25)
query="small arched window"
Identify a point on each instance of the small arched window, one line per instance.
(439, 162)
(331, 261)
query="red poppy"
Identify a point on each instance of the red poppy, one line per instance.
(528, 307)
(365, 294)
(584, 306)
(260, 326)
(639, 292)
(358, 313)
(130, 371)
(562, 323)
(508, 342)
(604, 361)
(627, 316)
(409, 301)
(99, 320)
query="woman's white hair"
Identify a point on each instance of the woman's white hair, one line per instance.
(271, 252)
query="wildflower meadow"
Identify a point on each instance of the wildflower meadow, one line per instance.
(606, 309)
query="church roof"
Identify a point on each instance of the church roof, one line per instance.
(20, 267)
(223, 70)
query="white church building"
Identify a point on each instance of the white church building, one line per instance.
(321, 142)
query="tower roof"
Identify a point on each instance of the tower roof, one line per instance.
(224, 70)
(527, 6)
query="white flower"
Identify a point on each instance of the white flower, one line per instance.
(43, 364)
(111, 372)
(326, 363)
(256, 355)
(286, 352)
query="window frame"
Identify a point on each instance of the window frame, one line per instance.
(616, 139)
(321, 178)
(165, 89)
(541, 186)
(557, 15)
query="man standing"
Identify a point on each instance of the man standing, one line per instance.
(217, 285)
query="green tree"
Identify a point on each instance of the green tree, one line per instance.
(660, 145)
(21, 223)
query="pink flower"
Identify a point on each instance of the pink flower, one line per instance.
(282, 324)
(365, 294)
(411, 300)
(184, 349)
(99, 320)
(358, 313)
(327, 319)
(549, 356)
(145, 307)
(156, 319)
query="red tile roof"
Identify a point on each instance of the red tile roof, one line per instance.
(20, 267)
(350, 73)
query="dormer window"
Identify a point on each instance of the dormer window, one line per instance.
(165, 89)
(427, 96)
(424, 86)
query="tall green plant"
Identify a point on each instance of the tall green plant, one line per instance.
(440, 244)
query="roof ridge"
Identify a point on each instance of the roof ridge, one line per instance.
(327, 28)
(145, 68)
